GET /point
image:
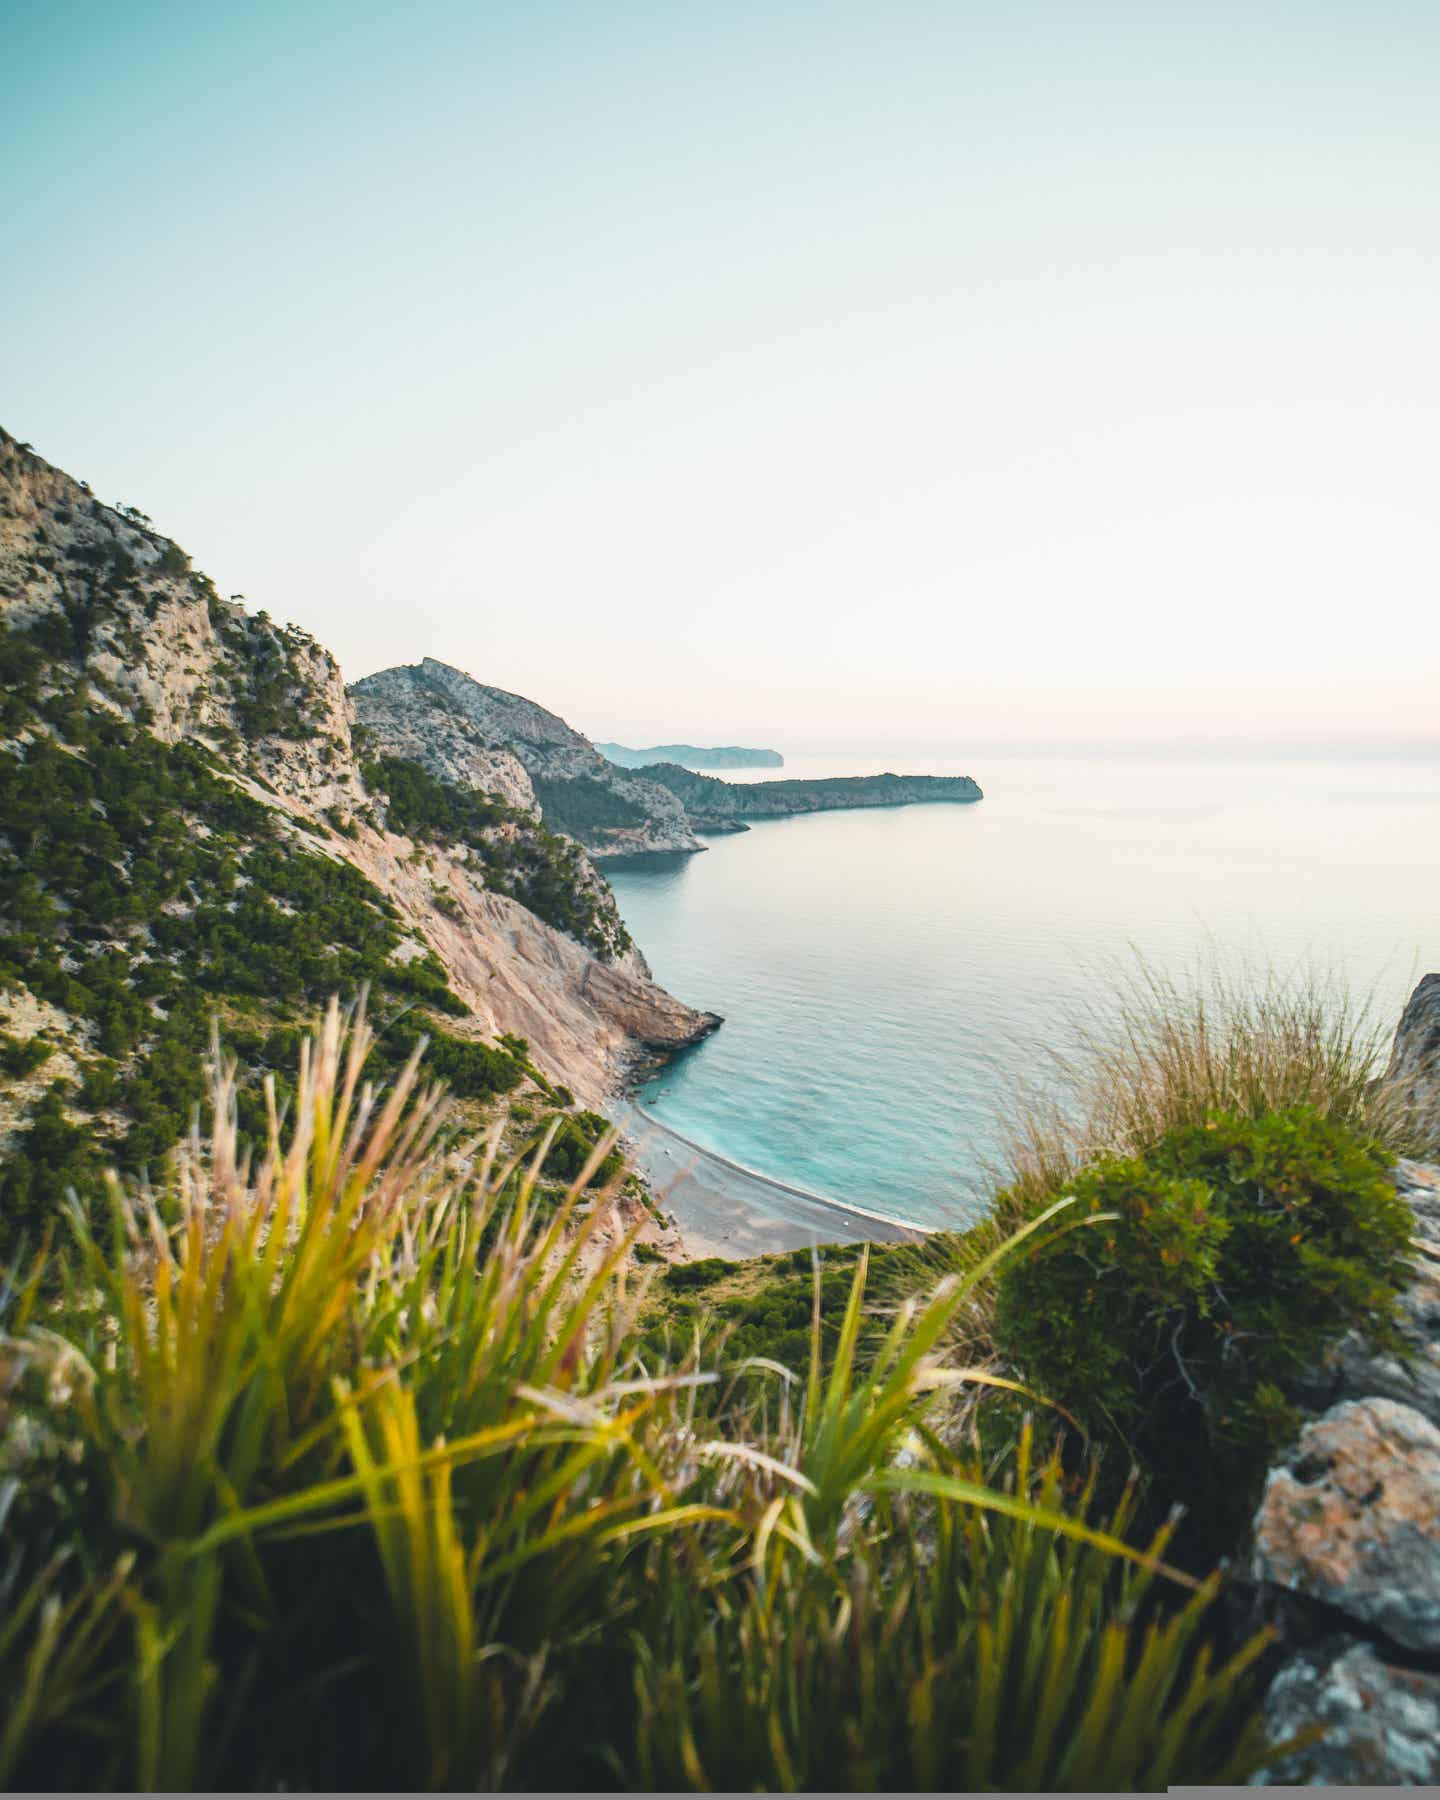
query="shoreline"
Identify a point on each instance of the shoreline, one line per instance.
(721, 1208)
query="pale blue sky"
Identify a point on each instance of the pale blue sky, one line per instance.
(826, 374)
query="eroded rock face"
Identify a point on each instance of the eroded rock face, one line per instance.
(1351, 1519)
(118, 602)
(440, 716)
(450, 746)
(587, 1022)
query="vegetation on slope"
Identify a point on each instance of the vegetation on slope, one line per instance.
(585, 808)
(340, 1476)
(140, 891)
(517, 856)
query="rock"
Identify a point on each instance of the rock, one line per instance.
(1382, 1723)
(1419, 1187)
(1351, 1519)
(1413, 1075)
(422, 709)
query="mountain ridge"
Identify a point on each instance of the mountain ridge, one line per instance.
(691, 756)
(431, 709)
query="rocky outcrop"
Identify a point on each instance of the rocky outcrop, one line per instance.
(1346, 1546)
(1351, 1520)
(1379, 1722)
(441, 717)
(692, 756)
(112, 599)
(1413, 1076)
(446, 743)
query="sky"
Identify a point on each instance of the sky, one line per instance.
(818, 375)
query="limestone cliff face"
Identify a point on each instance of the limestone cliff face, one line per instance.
(715, 805)
(589, 1023)
(127, 626)
(106, 594)
(453, 748)
(437, 709)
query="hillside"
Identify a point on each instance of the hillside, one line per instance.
(189, 828)
(692, 756)
(454, 724)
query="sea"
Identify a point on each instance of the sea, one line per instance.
(892, 978)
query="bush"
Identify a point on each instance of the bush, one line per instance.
(1209, 1273)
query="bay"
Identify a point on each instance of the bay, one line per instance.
(888, 977)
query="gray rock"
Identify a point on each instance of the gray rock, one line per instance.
(1381, 1723)
(1413, 1075)
(1351, 1518)
(458, 727)
(1419, 1187)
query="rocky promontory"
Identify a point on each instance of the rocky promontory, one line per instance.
(714, 805)
(465, 732)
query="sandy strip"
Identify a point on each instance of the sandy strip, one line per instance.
(725, 1210)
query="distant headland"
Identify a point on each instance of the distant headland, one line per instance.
(692, 756)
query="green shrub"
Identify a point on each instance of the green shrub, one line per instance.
(583, 807)
(1215, 1270)
(576, 1136)
(20, 1057)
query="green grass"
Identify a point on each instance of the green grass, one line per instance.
(355, 1469)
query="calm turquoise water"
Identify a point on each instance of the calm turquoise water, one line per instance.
(885, 976)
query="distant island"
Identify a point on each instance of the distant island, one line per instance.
(691, 756)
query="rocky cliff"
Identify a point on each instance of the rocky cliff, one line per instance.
(692, 756)
(449, 721)
(1346, 1550)
(188, 825)
(714, 805)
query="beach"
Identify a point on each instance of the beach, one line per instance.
(724, 1209)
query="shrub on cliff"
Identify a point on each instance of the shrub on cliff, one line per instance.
(1202, 1277)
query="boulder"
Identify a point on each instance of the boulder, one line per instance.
(1351, 1519)
(1381, 1723)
